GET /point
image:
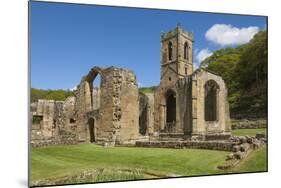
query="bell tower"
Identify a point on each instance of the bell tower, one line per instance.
(176, 54)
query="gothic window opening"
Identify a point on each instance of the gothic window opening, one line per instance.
(185, 50)
(94, 85)
(171, 108)
(185, 70)
(211, 106)
(170, 111)
(170, 51)
(143, 121)
(92, 130)
(96, 92)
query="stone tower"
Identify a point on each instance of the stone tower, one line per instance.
(176, 55)
(176, 64)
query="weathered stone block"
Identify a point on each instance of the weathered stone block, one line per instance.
(244, 147)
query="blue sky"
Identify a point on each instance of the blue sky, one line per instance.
(67, 40)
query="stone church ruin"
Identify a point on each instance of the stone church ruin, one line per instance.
(186, 105)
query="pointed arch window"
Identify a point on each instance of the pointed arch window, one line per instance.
(170, 50)
(185, 50)
(211, 102)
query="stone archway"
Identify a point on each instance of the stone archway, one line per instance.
(92, 132)
(95, 75)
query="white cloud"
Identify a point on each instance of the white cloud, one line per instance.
(74, 88)
(201, 55)
(223, 34)
(140, 84)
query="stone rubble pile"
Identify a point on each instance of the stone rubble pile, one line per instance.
(244, 144)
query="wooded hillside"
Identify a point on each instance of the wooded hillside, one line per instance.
(244, 69)
(59, 95)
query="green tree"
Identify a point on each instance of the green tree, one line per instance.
(244, 70)
(49, 94)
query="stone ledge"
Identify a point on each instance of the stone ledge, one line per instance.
(213, 145)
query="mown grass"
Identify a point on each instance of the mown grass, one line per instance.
(57, 161)
(248, 132)
(135, 163)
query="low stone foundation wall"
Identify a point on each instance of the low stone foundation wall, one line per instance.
(248, 123)
(217, 136)
(213, 145)
(49, 142)
(233, 144)
(171, 136)
(131, 142)
(66, 139)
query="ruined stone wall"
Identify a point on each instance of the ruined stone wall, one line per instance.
(160, 108)
(146, 113)
(167, 83)
(69, 119)
(200, 126)
(45, 110)
(96, 98)
(150, 112)
(129, 105)
(143, 119)
(114, 107)
(184, 89)
(118, 122)
(53, 129)
(82, 106)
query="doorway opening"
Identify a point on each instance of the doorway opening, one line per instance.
(170, 111)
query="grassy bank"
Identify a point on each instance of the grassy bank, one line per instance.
(248, 132)
(255, 162)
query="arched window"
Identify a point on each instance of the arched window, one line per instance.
(91, 123)
(211, 106)
(170, 50)
(93, 86)
(185, 50)
(171, 106)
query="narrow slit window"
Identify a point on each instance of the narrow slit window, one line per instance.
(170, 50)
(185, 50)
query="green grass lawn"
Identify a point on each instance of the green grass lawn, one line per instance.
(248, 132)
(133, 163)
(59, 161)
